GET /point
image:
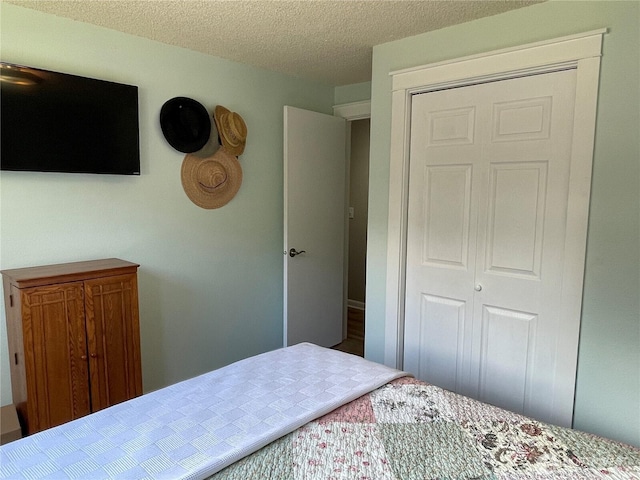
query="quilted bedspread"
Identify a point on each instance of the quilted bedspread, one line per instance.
(197, 427)
(411, 430)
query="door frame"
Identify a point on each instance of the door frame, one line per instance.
(350, 112)
(581, 52)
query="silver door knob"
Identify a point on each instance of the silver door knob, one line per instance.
(478, 288)
(293, 252)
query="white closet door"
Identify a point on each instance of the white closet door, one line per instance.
(486, 236)
(442, 229)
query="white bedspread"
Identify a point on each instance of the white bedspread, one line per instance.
(197, 427)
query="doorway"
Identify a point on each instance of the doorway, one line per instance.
(307, 131)
(357, 231)
(358, 212)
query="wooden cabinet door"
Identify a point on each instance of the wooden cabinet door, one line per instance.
(113, 335)
(55, 354)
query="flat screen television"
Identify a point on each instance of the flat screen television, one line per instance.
(57, 122)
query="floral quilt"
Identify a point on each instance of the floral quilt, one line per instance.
(408, 429)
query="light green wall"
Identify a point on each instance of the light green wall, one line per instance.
(608, 383)
(210, 281)
(357, 92)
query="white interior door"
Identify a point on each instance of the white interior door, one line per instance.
(488, 196)
(314, 220)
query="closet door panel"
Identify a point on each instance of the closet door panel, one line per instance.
(445, 174)
(439, 345)
(506, 362)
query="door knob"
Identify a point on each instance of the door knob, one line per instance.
(293, 252)
(478, 288)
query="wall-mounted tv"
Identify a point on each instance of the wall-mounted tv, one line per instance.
(57, 122)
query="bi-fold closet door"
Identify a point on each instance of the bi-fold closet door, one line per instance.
(487, 211)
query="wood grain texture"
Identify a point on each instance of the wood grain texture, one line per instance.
(74, 345)
(68, 272)
(114, 340)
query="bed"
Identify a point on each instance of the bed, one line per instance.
(306, 412)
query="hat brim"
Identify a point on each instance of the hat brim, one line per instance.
(185, 124)
(221, 195)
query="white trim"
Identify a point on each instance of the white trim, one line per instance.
(530, 56)
(353, 111)
(581, 52)
(356, 304)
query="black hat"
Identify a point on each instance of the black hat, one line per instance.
(185, 124)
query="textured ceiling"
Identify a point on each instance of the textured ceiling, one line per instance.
(325, 41)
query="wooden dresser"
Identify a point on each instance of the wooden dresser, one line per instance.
(74, 339)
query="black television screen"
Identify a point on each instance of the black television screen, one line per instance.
(56, 122)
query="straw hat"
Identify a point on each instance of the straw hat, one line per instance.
(232, 130)
(213, 181)
(185, 124)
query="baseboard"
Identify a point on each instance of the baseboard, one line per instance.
(355, 304)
